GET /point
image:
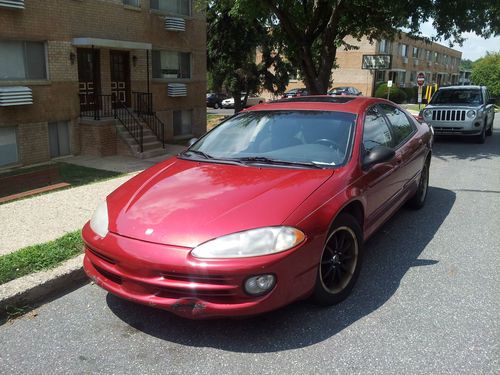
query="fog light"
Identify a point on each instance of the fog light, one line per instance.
(261, 284)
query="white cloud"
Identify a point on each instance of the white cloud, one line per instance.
(472, 48)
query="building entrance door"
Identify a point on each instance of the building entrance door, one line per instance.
(89, 76)
(120, 76)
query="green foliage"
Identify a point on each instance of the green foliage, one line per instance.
(39, 257)
(311, 32)
(232, 42)
(486, 71)
(411, 94)
(466, 64)
(397, 95)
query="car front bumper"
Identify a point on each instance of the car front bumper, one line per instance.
(169, 278)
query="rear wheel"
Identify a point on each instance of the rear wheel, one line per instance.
(216, 105)
(340, 262)
(418, 200)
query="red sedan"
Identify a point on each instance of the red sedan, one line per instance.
(271, 206)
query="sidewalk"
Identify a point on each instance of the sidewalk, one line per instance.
(46, 217)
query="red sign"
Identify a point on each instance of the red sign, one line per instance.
(420, 79)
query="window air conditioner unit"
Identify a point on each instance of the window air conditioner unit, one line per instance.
(175, 24)
(177, 89)
(15, 95)
(405, 60)
(16, 4)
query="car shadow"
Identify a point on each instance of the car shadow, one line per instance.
(466, 148)
(394, 250)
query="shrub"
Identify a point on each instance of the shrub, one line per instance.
(411, 94)
(397, 95)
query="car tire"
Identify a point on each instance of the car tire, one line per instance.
(489, 132)
(340, 262)
(417, 201)
(481, 138)
(216, 105)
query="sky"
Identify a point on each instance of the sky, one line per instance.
(472, 48)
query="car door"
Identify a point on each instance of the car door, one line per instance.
(409, 151)
(380, 182)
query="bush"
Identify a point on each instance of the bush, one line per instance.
(397, 95)
(411, 94)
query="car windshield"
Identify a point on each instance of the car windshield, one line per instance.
(458, 96)
(317, 138)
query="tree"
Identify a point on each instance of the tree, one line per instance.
(466, 64)
(486, 71)
(232, 42)
(312, 31)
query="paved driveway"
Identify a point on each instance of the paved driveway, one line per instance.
(427, 302)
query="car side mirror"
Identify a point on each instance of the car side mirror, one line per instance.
(492, 101)
(192, 141)
(377, 155)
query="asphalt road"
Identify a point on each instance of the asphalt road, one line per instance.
(427, 302)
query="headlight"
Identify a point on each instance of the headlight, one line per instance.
(99, 221)
(254, 242)
(471, 113)
(427, 113)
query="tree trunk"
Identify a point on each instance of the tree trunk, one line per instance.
(238, 105)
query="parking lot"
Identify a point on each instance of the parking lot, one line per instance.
(426, 302)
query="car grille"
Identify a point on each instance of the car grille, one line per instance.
(448, 114)
(211, 288)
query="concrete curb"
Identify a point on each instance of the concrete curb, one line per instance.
(31, 290)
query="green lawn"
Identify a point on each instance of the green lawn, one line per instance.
(39, 257)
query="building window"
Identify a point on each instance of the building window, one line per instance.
(182, 7)
(436, 56)
(428, 55)
(59, 138)
(20, 60)
(183, 122)
(413, 76)
(416, 52)
(401, 78)
(404, 50)
(380, 76)
(167, 64)
(134, 3)
(384, 46)
(8, 146)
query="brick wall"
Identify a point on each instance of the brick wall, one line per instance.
(98, 138)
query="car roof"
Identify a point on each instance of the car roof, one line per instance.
(347, 103)
(468, 87)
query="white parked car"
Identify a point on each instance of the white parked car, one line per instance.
(251, 101)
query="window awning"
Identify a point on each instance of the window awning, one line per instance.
(110, 43)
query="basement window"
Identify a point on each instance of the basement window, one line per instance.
(8, 146)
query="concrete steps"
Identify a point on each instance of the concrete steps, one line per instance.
(151, 146)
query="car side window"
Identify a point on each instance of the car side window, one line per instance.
(401, 126)
(376, 132)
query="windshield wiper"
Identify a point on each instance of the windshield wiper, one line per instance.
(201, 153)
(265, 160)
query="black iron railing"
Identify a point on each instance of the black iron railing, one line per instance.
(129, 122)
(143, 107)
(96, 106)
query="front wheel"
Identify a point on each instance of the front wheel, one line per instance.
(481, 138)
(340, 262)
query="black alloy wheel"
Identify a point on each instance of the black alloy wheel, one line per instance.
(340, 262)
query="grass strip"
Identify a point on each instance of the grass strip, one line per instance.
(39, 257)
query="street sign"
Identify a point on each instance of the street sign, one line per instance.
(376, 62)
(420, 79)
(389, 83)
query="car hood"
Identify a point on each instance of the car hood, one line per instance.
(185, 203)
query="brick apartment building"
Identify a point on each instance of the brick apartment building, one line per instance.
(99, 77)
(440, 64)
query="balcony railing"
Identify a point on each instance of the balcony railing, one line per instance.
(96, 106)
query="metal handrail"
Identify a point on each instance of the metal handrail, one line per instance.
(96, 106)
(143, 106)
(129, 122)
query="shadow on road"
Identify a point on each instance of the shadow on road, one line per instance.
(466, 148)
(389, 255)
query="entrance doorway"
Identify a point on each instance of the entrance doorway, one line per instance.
(89, 76)
(120, 76)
